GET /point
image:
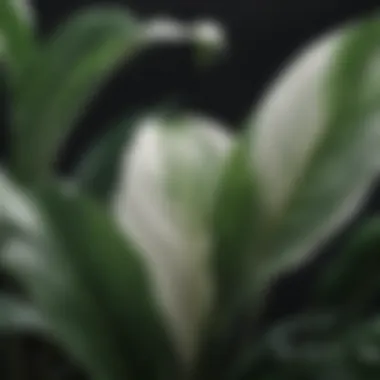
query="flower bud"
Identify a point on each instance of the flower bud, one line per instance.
(163, 203)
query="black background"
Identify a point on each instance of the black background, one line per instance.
(263, 33)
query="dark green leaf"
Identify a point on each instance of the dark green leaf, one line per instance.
(18, 316)
(363, 346)
(93, 278)
(295, 348)
(17, 40)
(353, 277)
(235, 220)
(67, 303)
(97, 172)
(76, 319)
(119, 277)
(75, 61)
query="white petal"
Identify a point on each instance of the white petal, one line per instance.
(209, 33)
(310, 186)
(166, 30)
(290, 120)
(163, 203)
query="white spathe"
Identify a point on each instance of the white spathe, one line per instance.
(289, 122)
(171, 31)
(294, 144)
(163, 202)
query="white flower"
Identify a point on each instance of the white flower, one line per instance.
(207, 33)
(290, 120)
(163, 202)
(166, 30)
(313, 172)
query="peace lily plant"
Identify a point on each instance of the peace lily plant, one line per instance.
(142, 264)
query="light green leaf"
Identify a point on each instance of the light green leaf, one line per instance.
(73, 63)
(17, 208)
(315, 147)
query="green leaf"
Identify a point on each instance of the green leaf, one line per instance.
(297, 346)
(74, 62)
(235, 218)
(315, 154)
(17, 39)
(18, 213)
(352, 278)
(18, 316)
(65, 300)
(98, 171)
(363, 346)
(119, 276)
(235, 215)
(111, 291)
(78, 323)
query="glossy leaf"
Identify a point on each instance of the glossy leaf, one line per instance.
(314, 129)
(74, 62)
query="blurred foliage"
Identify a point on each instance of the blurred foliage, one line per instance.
(72, 280)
